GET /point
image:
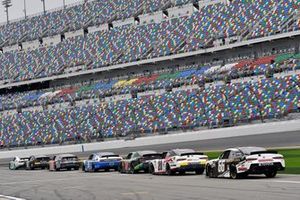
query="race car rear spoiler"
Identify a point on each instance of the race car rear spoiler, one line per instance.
(263, 152)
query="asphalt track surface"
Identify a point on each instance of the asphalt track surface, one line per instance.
(69, 185)
(114, 186)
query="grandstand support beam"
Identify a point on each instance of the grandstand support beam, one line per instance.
(25, 9)
(44, 6)
(7, 4)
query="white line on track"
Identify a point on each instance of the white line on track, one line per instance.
(134, 193)
(9, 198)
(275, 181)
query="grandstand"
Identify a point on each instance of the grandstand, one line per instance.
(106, 69)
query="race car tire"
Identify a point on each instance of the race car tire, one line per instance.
(233, 173)
(146, 170)
(12, 166)
(76, 168)
(131, 170)
(181, 172)
(151, 169)
(271, 174)
(199, 171)
(209, 172)
(169, 171)
(120, 168)
(107, 170)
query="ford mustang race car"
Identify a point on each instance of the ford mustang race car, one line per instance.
(179, 160)
(101, 161)
(41, 162)
(17, 163)
(241, 161)
(138, 161)
(64, 161)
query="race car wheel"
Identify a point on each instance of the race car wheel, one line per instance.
(271, 174)
(12, 166)
(233, 173)
(199, 171)
(131, 170)
(120, 168)
(151, 169)
(169, 171)
(209, 172)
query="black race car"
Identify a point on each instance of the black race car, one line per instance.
(138, 161)
(37, 162)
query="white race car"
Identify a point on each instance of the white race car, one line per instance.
(18, 163)
(241, 161)
(179, 160)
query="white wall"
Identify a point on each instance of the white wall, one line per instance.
(52, 40)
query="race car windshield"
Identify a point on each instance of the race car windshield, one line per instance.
(110, 156)
(191, 154)
(70, 159)
(152, 156)
(43, 159)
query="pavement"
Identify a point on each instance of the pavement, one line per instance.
(73, 185)
(69, 185)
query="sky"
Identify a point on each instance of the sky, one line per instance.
(32, 7)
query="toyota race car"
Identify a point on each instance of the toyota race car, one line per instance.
(17, 163)
(179, 160)
(242, 161)
(138, 161)
(41, 162)
(64, 161)
(101, 161)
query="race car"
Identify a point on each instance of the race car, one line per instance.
(40, 162)
(138, 161)
(64, 161)
(179, 160)
(101, 161)
(241, 161)
(18, 163)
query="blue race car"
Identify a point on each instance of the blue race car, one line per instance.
(101, 161)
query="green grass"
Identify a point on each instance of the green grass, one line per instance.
(292, 159)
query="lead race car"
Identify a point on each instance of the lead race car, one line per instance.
(101, 161)
(179, 160)
(241, 161)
